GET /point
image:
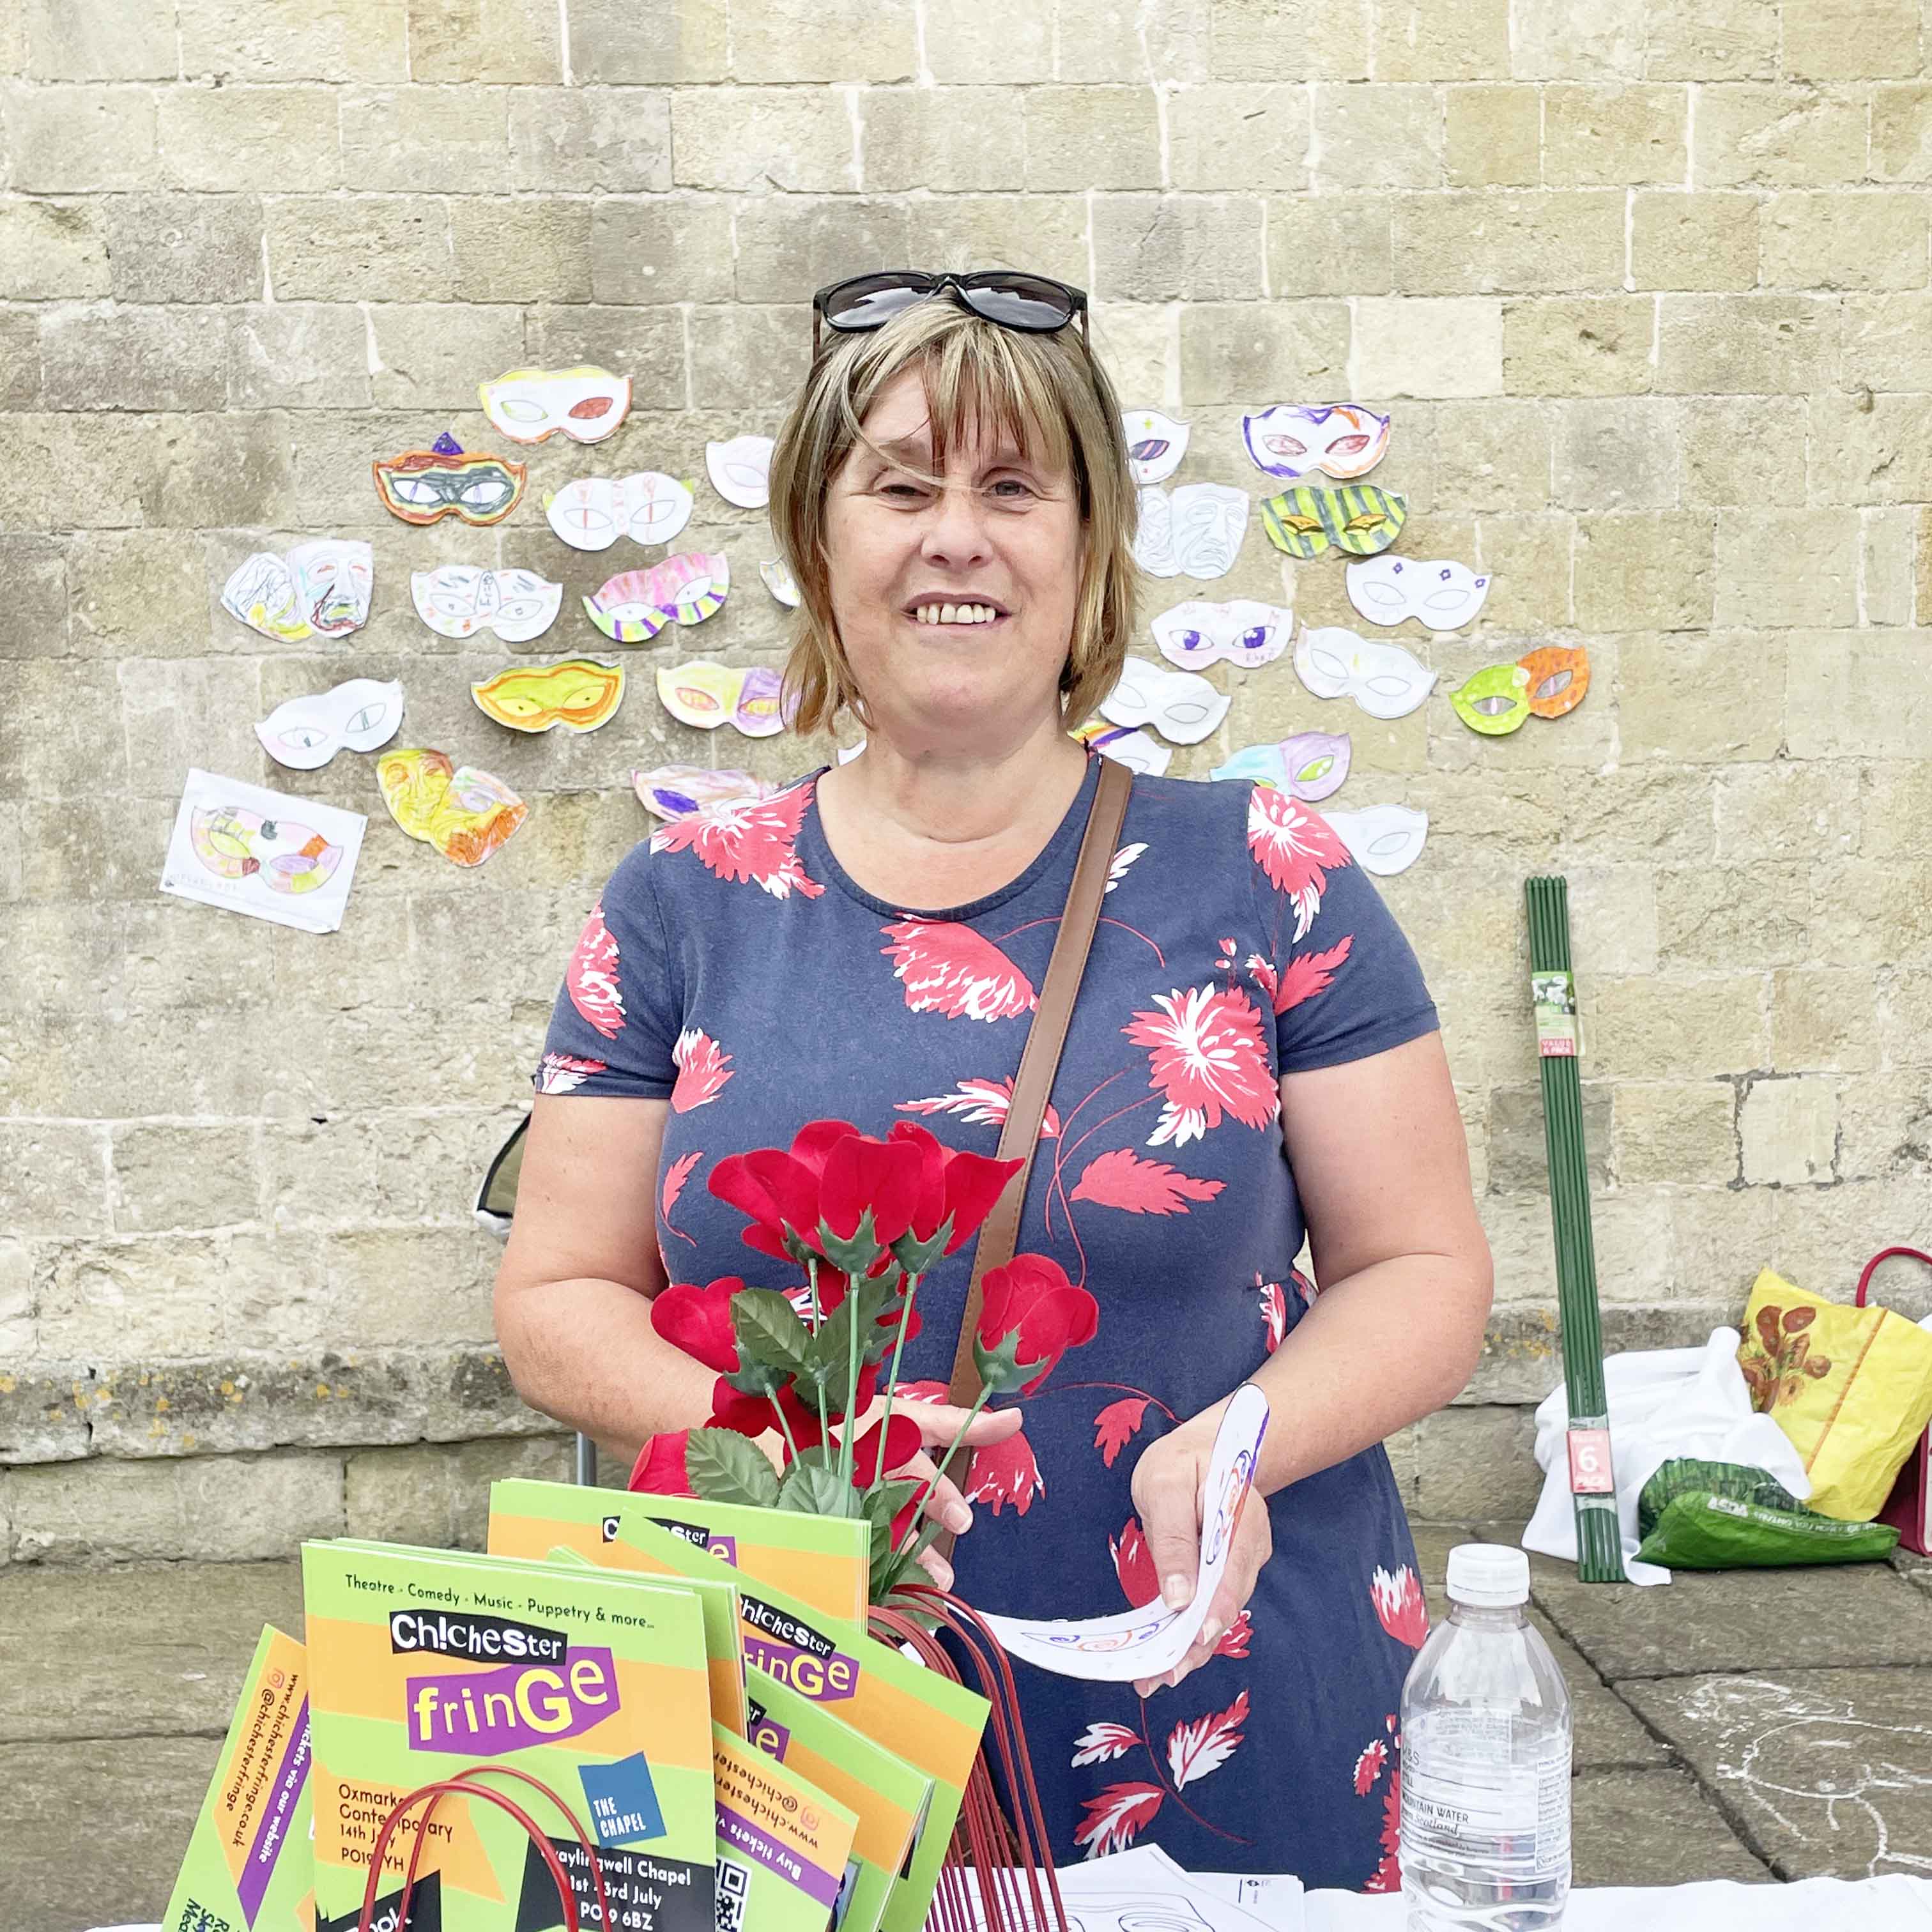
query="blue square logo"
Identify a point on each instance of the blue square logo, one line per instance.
(623, 1801)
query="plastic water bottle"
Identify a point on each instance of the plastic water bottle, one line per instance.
(1486, 1760)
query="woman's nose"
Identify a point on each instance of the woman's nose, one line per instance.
(956, 532)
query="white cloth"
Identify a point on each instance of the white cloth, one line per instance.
(1664, 1402)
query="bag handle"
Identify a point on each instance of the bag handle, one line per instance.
(1885, 1255)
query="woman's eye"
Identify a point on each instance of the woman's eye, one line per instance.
(1011, 487)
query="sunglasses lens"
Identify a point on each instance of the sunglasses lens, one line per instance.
(1020, 301)
(870, 302)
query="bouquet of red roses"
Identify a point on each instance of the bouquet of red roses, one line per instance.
(865, 1218)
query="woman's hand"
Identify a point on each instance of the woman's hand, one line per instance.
(1167, 1487)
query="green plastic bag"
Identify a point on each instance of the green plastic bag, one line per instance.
(1693, 1515)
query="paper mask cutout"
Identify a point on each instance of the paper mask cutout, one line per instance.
(1438, 594)
(320, 588)
(1183, 708)
(306, 732)
(741, 470)
(423, 486)
(1136, 750)
(633, 607)
(465, 814)
(1311, 765)
(458, 600)
(248, 850)
(592, 513)
(676, 791)
(780, 582)
(1195, 531)
(578, 693)
(1559, 678)
(1384, 679)
(708, 695)
(1496, 701)
(1294, 440)
(1361, 518)
(1385, 839)
(585, 404)
(1156, 444)
(1195, 635)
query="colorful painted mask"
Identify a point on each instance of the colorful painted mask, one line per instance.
(1295, 439)
(1384, 679)
(1182, 707)
(592, 513)
(1436, 593)
(321, 588)
(1358, 517)
(633, 607)
(1559, 678)
(458, 600)
(1244, 632)
(423, 486)
(465, 814)
(1156, 444)
(306, 732)
(1496, 701)
(741, 470)
(676, 791)
(1311, 765)
(585, 404)
(579, 694)
(1196, 531)
(1385, 839)
(1136, 750)
(708, 694)
(286, 857)
(780, 582)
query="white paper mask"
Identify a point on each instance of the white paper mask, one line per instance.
(780, 582)
(1135, 749)
(585, 404)
(741, 470)
(458, 600)
(1383, 679)
(1385, 839)
(1310, 766)
(633, 607)
(593, 512)
(307, 732)
(1156, 444)
(1244, 632)
(1154, 534)
(1197, 530)
(1182, 707)
(1437, 593)
(320, 588)
(1342, 439)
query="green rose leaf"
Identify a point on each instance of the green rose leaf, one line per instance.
(812, 1489)
(725, 1467)
(773, 1344)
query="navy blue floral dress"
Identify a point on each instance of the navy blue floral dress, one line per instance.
(732, 968)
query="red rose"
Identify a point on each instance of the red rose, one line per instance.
(698, 1321)
(882, 1450)
(957, 1191)
(659, 1468)
(1031, 1316)
(748, 1414)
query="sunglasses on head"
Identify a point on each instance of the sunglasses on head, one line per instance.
(1036, 304)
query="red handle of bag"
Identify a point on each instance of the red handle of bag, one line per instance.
(1885, 1255)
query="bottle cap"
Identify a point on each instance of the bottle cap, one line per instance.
(1488, 1575)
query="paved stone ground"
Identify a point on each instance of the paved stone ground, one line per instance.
(1761, 1726)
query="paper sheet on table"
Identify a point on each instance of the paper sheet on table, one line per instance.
(1143, 1890)
(248, 850)
(1146, 1642)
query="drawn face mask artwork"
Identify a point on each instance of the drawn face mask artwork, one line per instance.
(1156, 444)
(456, 600)
(1385, 839)
(320, 589)
(1183, 708)
(1559, 678)
(585, 404)
(466, 814)
(1384, 679)
(593, 512)
(1243, 632)
(741, 470)
(780, 582)
(1126, 746)
(708, 694)
(306, 732)
(1437, 593)
(579, 694)
(633, 607)
(1496, 701)
(266, 854)
(1342, 440)
(286, 857)
(423, 486)
(1359, 518)
(1311, 765)
(672, 792)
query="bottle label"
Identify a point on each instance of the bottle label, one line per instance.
(1464, 1798)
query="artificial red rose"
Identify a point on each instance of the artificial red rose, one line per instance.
(862, 1175)
(884, 1449)
(957, 1191)
(698, 1321)
(1031, 1316)
(778, 1192)
(731, 1408)
(659, 1468)
(907, 1511)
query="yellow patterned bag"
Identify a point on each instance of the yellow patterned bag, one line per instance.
(1851, 1387)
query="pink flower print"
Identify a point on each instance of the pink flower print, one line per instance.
(1296, 847)
(1274, 1312)
(1397, 1596)
(561, 1071)
(1115, 1818)
(1369, 1766)
(1115, 1427)
(747, 839)
(984, 1103)
(1308, 973)
(1265, 977)
(591, 980)
(1207, 1058)
(947, 967)
(1196, 1746)
(702, 1070)
(1006, 1472)
(1120, 1178)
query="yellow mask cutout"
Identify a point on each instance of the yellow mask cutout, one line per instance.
(579, 694)
(465, 814)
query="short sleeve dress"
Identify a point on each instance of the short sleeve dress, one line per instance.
(732, 968)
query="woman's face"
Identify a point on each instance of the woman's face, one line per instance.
(1000, 547)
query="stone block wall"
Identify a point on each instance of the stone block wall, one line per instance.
(1644, 282)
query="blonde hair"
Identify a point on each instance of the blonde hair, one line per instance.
(1045, 392)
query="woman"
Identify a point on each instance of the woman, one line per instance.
(1253, 1056)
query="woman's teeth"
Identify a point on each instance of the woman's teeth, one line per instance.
(955, 613)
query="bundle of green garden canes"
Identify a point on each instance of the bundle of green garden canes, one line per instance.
(1553, 991)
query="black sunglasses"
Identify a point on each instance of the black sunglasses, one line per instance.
(1035, 303)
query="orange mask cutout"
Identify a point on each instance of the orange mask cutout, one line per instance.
(465, 814)
(1559, 676)
(580, 694)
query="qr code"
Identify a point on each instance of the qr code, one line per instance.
(734, 1881)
